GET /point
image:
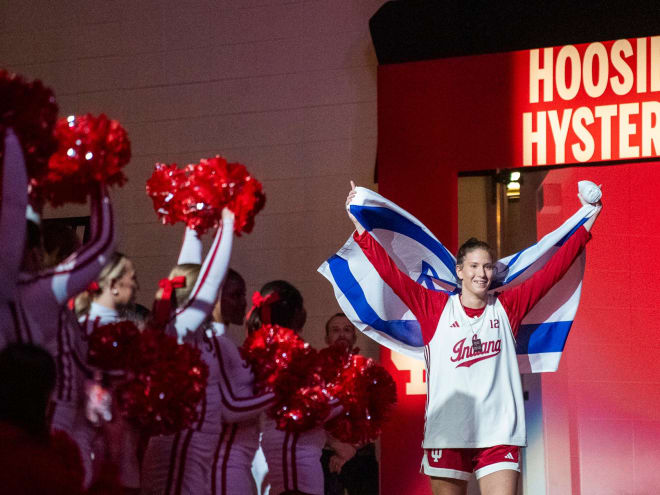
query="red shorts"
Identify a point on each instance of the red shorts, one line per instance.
(460, 463)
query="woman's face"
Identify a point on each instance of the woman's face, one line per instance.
(232, 301)
(476, 272)
(125, 287)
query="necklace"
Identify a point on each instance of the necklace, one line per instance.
(476, 341)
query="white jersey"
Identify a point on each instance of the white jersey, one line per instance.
(458, 379)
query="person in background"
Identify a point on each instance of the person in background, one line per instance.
(59, 241)
(294, 466)
(353, 468)
(110, 294)
(34, 297)
(103, 302)
(231, 305)
(33, 459)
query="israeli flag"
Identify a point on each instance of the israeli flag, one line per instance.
(379, 313)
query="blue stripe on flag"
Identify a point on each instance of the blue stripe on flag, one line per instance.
(405, 331)
(573, 230)
(375, 217)
(511, 262)
(542, 337)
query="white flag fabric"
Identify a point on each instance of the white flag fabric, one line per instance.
(378, 312)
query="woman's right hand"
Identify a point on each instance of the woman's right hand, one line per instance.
(349, 198)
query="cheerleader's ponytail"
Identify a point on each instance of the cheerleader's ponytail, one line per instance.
(278, 303)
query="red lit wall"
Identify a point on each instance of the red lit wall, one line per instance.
(601, 409)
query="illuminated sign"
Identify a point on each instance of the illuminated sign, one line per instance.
(590, 102)
(416, 385)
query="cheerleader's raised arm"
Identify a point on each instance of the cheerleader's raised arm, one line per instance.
(51, 289)
(12, 225)
(191, 248)
(235, 380)
(199, 306)
(73, 275)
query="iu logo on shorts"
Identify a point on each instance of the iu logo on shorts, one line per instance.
(436, 454)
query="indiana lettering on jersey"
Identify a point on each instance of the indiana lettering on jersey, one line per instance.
(465, 356)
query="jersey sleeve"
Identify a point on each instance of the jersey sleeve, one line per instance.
(425, 304)
(205, 292)
(236, 385)
(520, 300)
(12, 215)
(191, 248)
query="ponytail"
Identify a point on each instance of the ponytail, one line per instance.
(283, 310)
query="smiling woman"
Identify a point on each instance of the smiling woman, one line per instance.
(469, 350)
(474, 268)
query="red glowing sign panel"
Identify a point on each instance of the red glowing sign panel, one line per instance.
(588, 103)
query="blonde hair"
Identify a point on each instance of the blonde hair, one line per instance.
(181, 294)
(114, 270)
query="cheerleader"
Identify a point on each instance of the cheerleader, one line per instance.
(214, 455)
(102, 303)
(12, 233)
(37, 310)
(231, 473)
(294, 459)
(43, 294)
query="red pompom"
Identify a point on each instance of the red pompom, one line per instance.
(168, 382)
(334, 360)
(164, 381)
(90, 150)
(269, 350)
(301, 396)
(246, 200)
(284, 364)
(165, 181)
(197, 194)
(29, 108)
(109, 345)
(307, 408)
(367, 393)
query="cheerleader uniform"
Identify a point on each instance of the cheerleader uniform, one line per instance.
(474, 404)
(214, 455)
(40, 316)
(12, 234)
(129, 467)
(294, 459)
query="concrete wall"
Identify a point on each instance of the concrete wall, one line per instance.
(286, 87)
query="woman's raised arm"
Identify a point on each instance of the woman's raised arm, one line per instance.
(205, 292)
